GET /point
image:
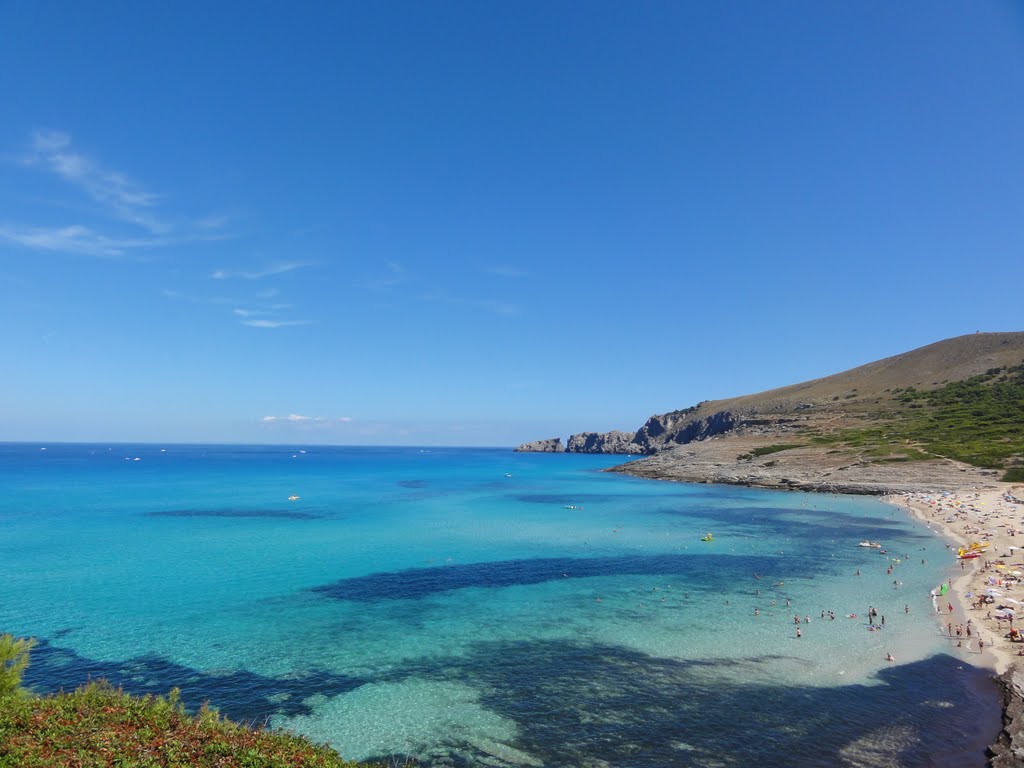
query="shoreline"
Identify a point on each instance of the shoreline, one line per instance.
(985, 516)
(989, 517)
(962, 509)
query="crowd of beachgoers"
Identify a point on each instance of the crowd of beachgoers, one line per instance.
(980, 607)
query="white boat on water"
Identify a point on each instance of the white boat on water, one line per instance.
(872, 544)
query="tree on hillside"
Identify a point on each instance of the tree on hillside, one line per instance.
(13, 660)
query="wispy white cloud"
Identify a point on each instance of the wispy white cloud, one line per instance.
(78, 239)
(266, 316)
(294, 418)
(116, 196)
(278, 268)
(114, 190)
(302, 422)
(273, 323)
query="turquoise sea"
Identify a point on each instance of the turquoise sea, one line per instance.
(478, 607)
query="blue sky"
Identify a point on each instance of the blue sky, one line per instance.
(480, 223)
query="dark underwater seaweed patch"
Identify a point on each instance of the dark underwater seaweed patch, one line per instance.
(239, 694)
(588, 704)
(577, 704)
(417, 583)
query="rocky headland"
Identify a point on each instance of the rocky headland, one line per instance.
(550, 445)
(944, 416)
(603, 442)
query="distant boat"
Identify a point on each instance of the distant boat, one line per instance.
(872, 544)
(293, 497)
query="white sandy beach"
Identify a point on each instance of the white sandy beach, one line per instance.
(995, 518)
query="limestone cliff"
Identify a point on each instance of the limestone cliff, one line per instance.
(603, 442)
(553, 445)
(682, 427)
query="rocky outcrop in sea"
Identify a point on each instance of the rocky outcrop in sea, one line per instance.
(658, 433)
(552, 445)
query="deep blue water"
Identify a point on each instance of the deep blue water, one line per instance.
(481, 607)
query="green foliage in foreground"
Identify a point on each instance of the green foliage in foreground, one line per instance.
(978, 421)
(13, 660)
(99, 726)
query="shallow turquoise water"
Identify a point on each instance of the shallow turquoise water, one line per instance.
(481, 607)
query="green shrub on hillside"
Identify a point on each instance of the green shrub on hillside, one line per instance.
(99, 726)
(765, 450)
(13, 661)
(979, 421)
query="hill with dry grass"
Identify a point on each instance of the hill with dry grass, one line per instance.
(945, 415)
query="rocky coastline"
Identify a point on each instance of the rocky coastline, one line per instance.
(906, 424)
(603, 442)
(805, 468)
(550, 445)
(1008, 749)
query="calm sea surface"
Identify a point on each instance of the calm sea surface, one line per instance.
(473, 607)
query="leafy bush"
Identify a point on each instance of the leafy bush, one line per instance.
(979, 421)
(98, 725)
(13, 661)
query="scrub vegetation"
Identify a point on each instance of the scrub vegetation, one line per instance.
(765, 450)
(979, 421)
(99, 726)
